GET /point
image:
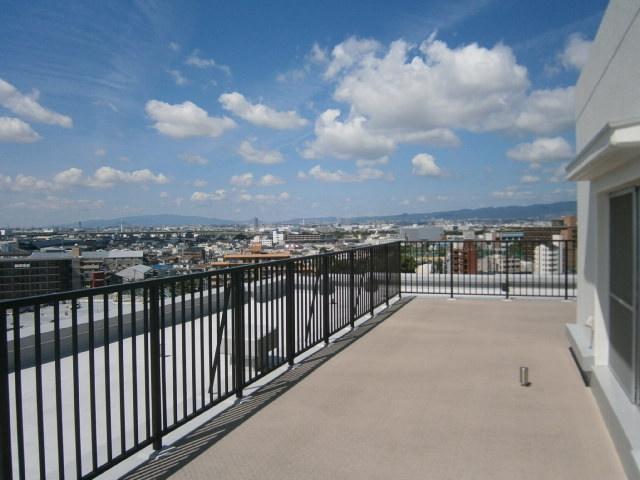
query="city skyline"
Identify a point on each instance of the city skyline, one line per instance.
(237, 111)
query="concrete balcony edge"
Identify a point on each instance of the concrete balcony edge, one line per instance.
(621, 417)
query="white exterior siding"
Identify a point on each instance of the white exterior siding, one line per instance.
(608, 160)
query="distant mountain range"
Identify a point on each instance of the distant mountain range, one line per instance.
(542, 211)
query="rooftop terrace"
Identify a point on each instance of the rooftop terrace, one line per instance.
(427, 389)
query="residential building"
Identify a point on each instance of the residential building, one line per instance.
(95, 267)
(605, 336)
(36, 274)
(254, 255)
(549, 257)
(291, 237)
(278, 238)
(465, 258)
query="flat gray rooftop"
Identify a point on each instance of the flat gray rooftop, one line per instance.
(428, 389)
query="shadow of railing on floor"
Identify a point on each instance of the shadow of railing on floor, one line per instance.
(174, 457)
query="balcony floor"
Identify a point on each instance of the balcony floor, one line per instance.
(428, 389)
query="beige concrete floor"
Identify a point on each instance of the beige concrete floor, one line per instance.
(431, 392)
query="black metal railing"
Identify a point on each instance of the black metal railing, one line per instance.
(89, 377)
(532, 268)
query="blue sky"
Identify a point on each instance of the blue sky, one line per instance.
(285, 109)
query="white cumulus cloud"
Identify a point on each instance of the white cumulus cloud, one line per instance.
(184, 120)
(547, 111)
(347, 53)
(264, 198)
(270, 180)
(217, 195)
(242, 180)
(103, 177)
(346, 140)
(260, 114)
(16, 131)
(576, 52)
(544, 149)
(251, 154)
(469, 87)
(425, 165)
(27, 106)
(340, 176)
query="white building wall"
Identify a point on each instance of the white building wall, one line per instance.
(608, 88)
(608, 92)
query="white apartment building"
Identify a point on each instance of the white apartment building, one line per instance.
(606, 334)
(549, 259)
(277, 238)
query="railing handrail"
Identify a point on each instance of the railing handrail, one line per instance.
(44, 298)
(166, 320)
(306, 300)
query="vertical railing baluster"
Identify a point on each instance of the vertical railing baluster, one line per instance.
(325, 298)
(107, 373)
(58, 382)
(6, 469)
(290, 312)
(352, 293)
(451, 269)
(386, 273)
(76, 387)
(123, 428)
(238, 336)
(371, 282)
(399, 267)
(154, 361)
(17, 380)
(92, 384)
(39, 402)
(565, 262)
(506, 262)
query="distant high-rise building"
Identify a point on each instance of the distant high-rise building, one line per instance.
(277, 237)
(256, 224)
(465, 258)
(550, 258)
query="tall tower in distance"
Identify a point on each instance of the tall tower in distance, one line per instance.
(255, 224)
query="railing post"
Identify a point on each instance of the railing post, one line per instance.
(154, 367)
(290, 307)
(399, 265)
(371, 281)
(565, 262)
(352, 293)
(325, 298)
(386, 273)
(506, 262)
(5, 412)
(451, 269)
(238, 331)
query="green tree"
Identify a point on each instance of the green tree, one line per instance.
(408, 264)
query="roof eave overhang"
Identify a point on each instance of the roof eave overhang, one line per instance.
(614, 145)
